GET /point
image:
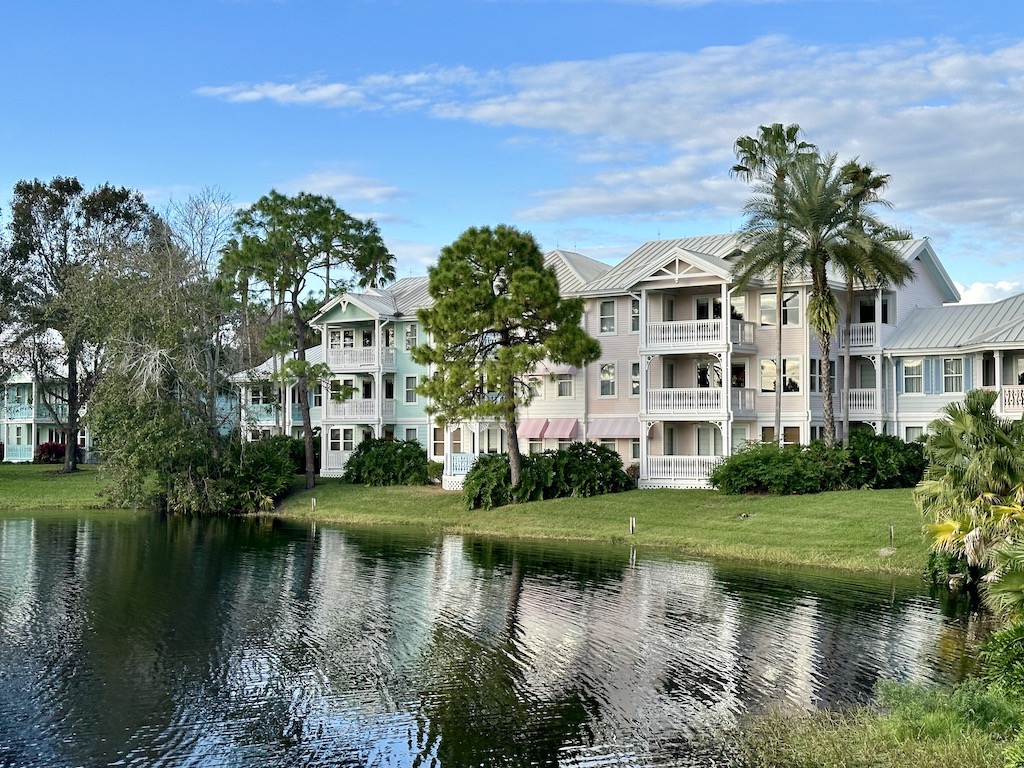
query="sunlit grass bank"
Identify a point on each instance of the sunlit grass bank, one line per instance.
(26, 487)
(847, 529)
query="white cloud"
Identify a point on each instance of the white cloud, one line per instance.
(983, 293)
(343, 187)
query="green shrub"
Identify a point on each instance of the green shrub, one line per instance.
(581, 469)
(884, 461)
(296, 450)
(435, 470)
(53, 453)
(760, 468)
(380, 461)
(257, 475)
(1003, 658)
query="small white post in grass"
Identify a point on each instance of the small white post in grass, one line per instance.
(312, 504)
(632, 525)
(892, 536)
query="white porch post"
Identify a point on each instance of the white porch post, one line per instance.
(727, 372)
(999, 381)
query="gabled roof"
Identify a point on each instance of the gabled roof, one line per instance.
(961, 326)
(265, 370)
(401, 299)
(574, 270)
(709, 253)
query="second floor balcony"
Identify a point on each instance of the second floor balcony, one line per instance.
(699, 401)
(360, 358)
(698, 334)
(865, 335)
(359, 411)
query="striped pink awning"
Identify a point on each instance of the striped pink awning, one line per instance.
(532, 428)
(561, 428)
(625, 426)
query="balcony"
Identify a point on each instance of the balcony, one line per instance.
(1011, 399)
(315, 413)
(256, 412)
(678, 471)
(865, 335)
(697, 401)
(334, 461)
(17, 453)
(48, 411)
(697, 334)
(360, 358)
(863, 401)
(17, 411)
(359, 411)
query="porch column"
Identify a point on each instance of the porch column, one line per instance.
(727, 373)
(999, 381)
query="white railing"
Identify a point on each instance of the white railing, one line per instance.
(18, 453)
(335, 460)
(359, 409)
(459, 463)
(681, 467)
(1011, 398)
(360, 357)
(684, 400)
(19, 411)
(684, 333)
(863, 401)
(861, 335)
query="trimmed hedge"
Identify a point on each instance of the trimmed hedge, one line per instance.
(380, 461)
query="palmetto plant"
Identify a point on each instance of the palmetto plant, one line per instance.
(974, 485)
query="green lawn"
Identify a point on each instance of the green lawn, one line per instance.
(848, 529)
(25, 487)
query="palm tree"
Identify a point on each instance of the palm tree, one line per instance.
(767, 159)
(974, 484)
(871, 261)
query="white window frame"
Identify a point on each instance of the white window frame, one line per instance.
(634, 315)
(605, 320)
(415, 435)
(814, 375)
(911, 434)
(412, 332)
(411, 397)
(787, 364)
(913, 371)
(634, 379)
(634, 449)
(608, 380)
(566, 386)
(713, 303)
(952, 375)
(348, 338)
(790, 308)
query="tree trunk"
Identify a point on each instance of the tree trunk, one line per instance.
(515, 458)
(71, 440)
(302, 385)
(825, 364)
(779, 285)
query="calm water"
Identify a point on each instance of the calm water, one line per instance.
(134, 641)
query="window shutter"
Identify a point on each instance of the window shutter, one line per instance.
(899, 377)
(968, 374)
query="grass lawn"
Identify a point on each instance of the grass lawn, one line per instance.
(25, 487)
(846, 529)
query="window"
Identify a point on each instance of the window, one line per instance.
(389, 336)
(334, 439)
(608, 380)
(318, 396)
(457, 440)
(913, 375)
(815, 376)
(348, 338)
(790, 308)
(866, 309)
(790, 375)
(17, 436)
(438, 435)
(536, 387)
(790, 435)
(389, 388)
(634, 448)
(565, 385)
(491, 440)
(411, 336)
(410, 389)
(564, 443)
(709, 374)
(334, 339)
(634, 379)
(261, 394)
(348, 439)
(608, 442)
(367, 338)
(367, 389)
(634, 316)
(412, 434)
(914, 434)
(738, 308)
(953, 374)
(607, 317)
(536, 445)
(708, 308)
(738, 375)
(709, 440)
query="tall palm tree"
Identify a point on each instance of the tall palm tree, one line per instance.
(871, 261)
(767, 159)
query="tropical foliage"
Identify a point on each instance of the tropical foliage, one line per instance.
(381, 461)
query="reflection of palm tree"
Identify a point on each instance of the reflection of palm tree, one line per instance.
(768, 159)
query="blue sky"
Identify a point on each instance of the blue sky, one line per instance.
(594, 125)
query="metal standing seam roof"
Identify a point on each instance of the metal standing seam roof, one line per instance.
(653, 255)
(314, 356)
(574, 270)
(960, 326)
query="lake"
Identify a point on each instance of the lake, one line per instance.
(132, 640)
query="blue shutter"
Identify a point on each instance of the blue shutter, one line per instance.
(899, 376)
(968, 374)
(928, 374)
